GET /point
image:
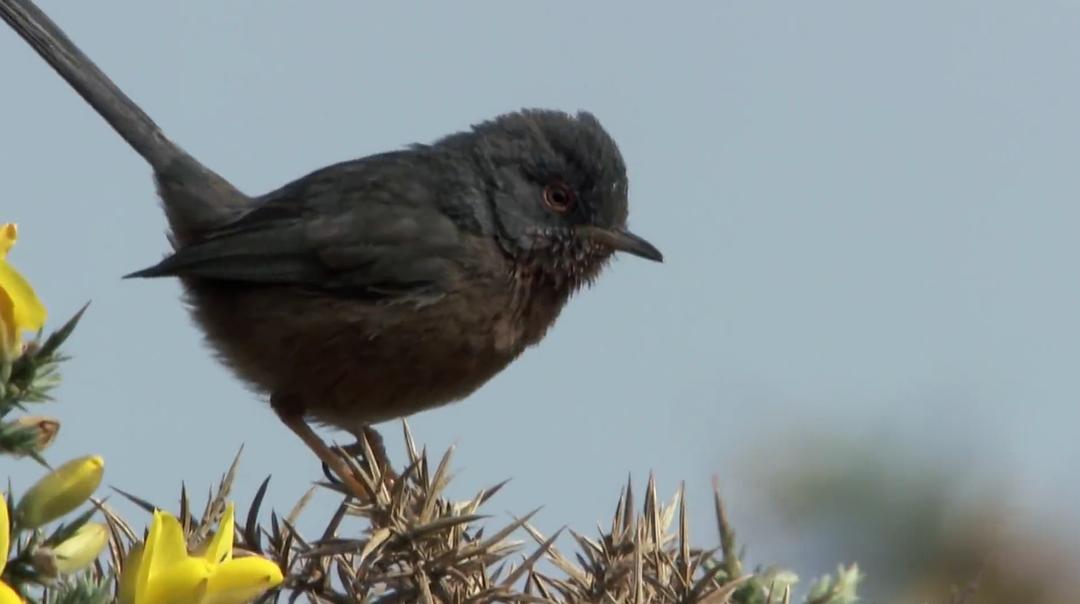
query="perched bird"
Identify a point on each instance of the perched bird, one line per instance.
(379, 287)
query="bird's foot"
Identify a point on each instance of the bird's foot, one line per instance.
(369, 452)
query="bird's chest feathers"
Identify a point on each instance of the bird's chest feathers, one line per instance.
(534, 302)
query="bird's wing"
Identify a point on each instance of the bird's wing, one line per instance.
(331, 232)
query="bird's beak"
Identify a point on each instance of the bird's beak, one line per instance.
(622, 241)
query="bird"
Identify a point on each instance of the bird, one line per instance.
(378, 287)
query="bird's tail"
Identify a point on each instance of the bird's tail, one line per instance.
(195, 198)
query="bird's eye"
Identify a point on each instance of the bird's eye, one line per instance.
(558, 197)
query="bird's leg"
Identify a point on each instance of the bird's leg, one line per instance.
(295, 421)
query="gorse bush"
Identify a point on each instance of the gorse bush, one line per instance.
(60, 543)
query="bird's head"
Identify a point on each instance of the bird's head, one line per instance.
(559, 193)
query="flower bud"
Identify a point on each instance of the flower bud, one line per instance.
(60, 491)
(81, 549)
(45, 429)
(43, 561)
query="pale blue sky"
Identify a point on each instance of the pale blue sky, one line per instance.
(869, 213)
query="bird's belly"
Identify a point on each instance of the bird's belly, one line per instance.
(350, 363)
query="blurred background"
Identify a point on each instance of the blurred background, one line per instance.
(866, 326)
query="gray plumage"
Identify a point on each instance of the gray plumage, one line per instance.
(381, 286)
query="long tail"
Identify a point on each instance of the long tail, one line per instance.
(195, 197)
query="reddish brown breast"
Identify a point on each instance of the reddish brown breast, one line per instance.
(351, 363)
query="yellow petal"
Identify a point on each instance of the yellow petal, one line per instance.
(165, 548)
(220, 548)
(5, 532)
(8, 234)
(129, 574)
(241, 580)
(182, 583)
(27, 310)
(9, 336)
(167, 575)
(81, 549)
(153, 539)
(60, 491)
(8, 595)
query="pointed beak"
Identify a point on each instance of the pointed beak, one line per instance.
(621, 241)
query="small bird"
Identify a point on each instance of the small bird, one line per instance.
(379, 287)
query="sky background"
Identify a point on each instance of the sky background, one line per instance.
(869, 214)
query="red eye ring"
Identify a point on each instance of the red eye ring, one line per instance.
(558, 197)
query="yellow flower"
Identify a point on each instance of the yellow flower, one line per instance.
(60, 491)
(20, 308)
(7, 595)
(163, 572)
